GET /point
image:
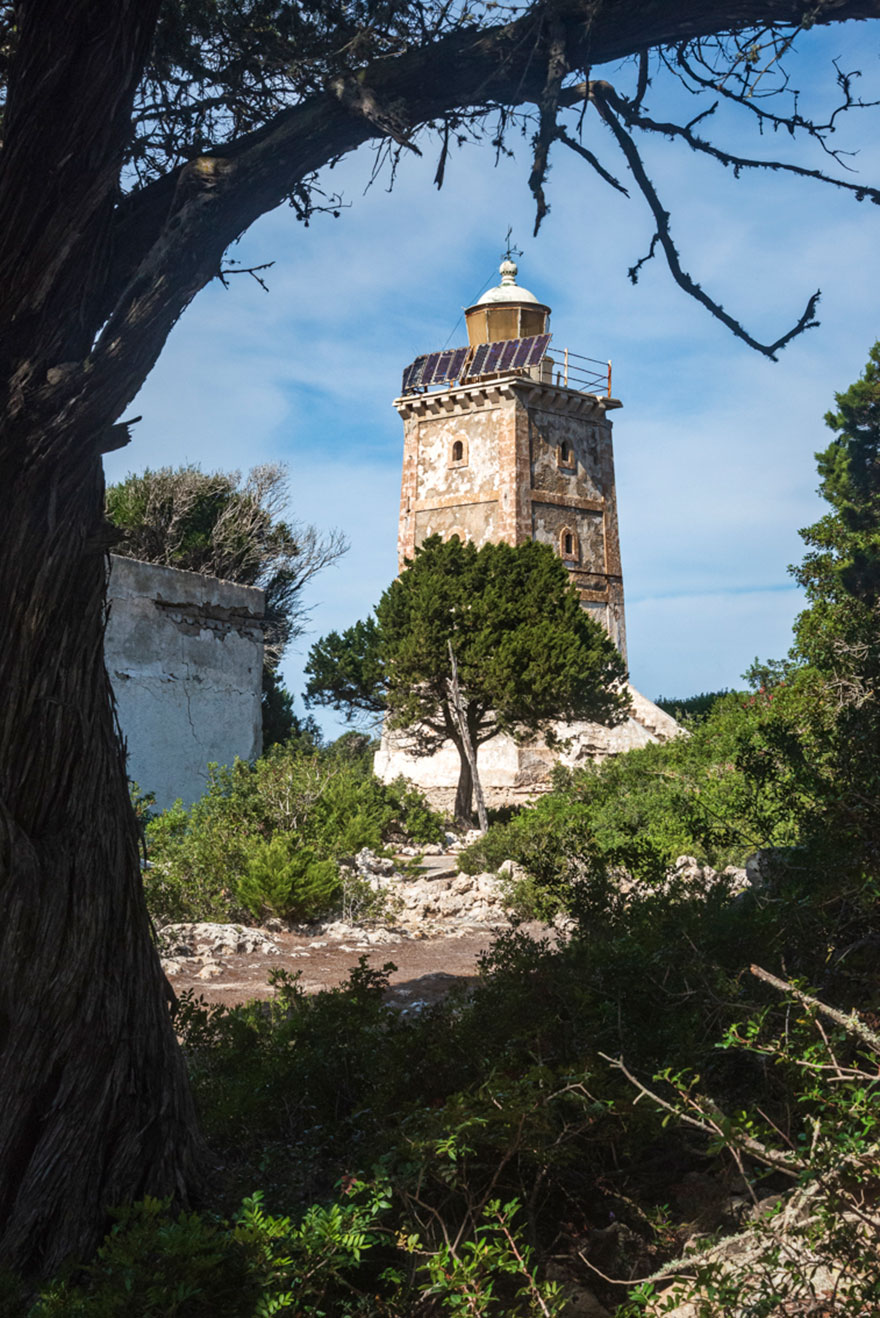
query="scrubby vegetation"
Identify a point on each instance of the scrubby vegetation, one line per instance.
(487, 1157)
(745, 776)
(267, 839)
(688, 1062)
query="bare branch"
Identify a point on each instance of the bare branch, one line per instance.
(664, 237)
(851, 1023)
(235, 269)
(591, 160)
(699, 144)
(548, 107)
(710, 1121)
(444, 153)
(643, 82)
(683, 66)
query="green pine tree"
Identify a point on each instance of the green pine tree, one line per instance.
(526, 653)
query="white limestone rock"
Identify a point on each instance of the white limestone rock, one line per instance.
(203, 939)
(368, 863)
(210, 970)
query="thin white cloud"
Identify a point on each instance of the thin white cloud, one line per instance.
(713, 448)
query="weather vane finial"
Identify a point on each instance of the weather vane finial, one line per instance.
(511, 251)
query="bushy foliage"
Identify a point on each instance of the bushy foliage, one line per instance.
(838, 634)
(466, 1145)
(284, 878)
(267, 838)
(740, 778)
(157, 1264)
(690, 706)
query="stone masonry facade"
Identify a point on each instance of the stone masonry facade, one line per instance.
(517, 459)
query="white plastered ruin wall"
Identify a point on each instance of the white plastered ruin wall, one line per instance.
(185, 657)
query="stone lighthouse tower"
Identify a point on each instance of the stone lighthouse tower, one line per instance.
(509, 438)
(515, 445)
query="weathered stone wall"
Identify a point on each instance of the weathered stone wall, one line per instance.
(471, 521)
(586, 440)
(185, 656)
(444, 494)
(573, 490)
(516, 459)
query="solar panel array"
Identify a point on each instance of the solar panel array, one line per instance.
(508, 355)
(488, 359)
(435, 368)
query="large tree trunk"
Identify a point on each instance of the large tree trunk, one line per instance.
(96, 1105)
(96, 1108)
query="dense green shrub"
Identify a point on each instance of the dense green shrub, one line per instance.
(690, 706)
(285, 879)
(267, 838)
(156, 1264)
(328, 1262)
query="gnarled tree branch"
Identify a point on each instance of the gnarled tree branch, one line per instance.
(548, 108)
(664, 237)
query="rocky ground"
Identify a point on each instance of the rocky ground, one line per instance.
(431, 922)
(418, 912)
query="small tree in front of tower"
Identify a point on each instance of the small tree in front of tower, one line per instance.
(468, 643)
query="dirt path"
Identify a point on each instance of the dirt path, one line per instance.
(443, 921)
(426, 967)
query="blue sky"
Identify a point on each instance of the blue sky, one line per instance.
(714, 445)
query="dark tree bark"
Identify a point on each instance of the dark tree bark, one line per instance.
(469, 785)
(96, 1107)
(95, 1104)
(464, 791)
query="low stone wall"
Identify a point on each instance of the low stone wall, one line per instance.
(185, 657)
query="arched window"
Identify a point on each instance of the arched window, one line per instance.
(569, 549)
(458, 452)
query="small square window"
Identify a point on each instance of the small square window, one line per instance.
(569, 548)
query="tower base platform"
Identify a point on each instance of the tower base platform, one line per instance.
(514, 773)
